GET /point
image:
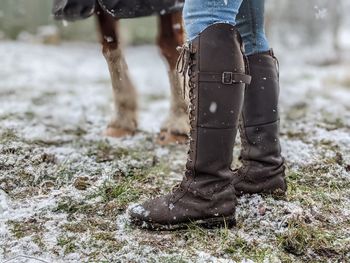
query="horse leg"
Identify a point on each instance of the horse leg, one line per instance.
(124, 94)
(171, 35)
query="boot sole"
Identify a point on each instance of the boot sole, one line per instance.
(276, 187)
(210, 223)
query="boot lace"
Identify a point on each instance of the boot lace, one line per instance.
(185, 67)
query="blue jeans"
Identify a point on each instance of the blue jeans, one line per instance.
(247, 15)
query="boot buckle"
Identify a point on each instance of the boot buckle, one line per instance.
(227, 78)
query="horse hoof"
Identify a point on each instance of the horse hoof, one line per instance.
(117, 132)
(166, 138)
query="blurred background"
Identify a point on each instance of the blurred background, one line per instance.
(311, 23)
(32, 20)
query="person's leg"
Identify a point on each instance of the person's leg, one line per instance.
(199, 14)
(251, 25)
(263, 167)
(214, 62)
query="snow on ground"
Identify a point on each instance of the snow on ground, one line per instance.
(64, 189)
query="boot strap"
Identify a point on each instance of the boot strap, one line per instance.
(226, 78)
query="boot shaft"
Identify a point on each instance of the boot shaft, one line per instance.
(259, 127)
(217, 72)
(261, 97)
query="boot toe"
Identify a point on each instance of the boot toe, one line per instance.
(151, 211)
(139, 213)
(274, 186)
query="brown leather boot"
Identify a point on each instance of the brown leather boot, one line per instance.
(263, 169)
(217, 78)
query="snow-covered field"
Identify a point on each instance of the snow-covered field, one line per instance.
(64, 188)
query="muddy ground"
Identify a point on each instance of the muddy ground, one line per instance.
(64, 188)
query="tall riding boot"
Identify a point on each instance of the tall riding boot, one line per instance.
(263, 169)
(217, 78)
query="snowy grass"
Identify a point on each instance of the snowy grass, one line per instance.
(64, 189)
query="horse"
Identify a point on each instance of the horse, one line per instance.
(170, 35)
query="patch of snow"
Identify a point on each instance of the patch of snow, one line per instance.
(139, 209)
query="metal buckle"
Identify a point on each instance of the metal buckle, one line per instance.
(227, 78)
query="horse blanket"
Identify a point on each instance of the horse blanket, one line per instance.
(72, 10)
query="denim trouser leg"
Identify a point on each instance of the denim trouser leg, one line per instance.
(248, 15)
(199, 14)
(251, 24)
